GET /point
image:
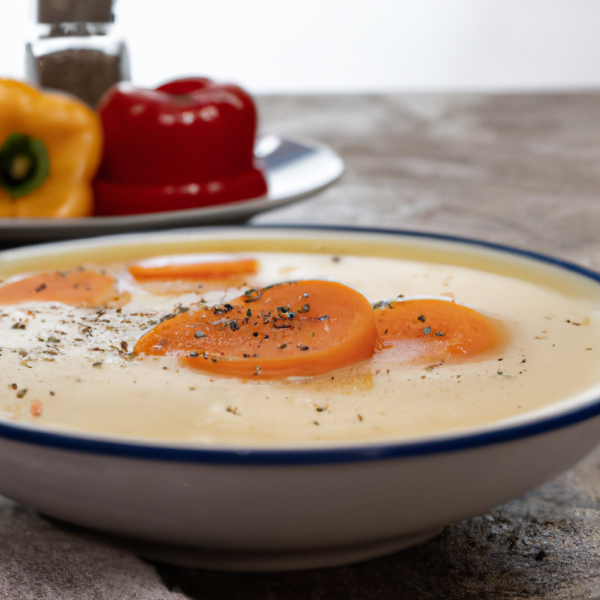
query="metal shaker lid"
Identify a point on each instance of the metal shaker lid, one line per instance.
(74, 11)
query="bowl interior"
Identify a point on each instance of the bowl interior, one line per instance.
(566, 279)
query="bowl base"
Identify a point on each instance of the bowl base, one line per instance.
(224, 560)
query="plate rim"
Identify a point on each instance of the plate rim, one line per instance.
(98, 225)
(138, 448)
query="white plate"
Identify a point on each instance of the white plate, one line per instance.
(293, 169)
(301, 507)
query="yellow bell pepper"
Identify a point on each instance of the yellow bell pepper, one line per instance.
(50, 149)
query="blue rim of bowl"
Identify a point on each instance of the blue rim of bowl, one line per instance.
(385, 450)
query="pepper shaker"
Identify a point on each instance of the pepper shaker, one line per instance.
(75, 50)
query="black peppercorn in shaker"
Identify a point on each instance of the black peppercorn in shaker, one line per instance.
(76, 51)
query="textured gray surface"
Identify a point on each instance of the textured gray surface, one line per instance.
(42, 561)
(522, 170)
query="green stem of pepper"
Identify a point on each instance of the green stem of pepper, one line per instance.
(24, 165)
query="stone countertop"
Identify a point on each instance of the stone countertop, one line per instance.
(522, 170)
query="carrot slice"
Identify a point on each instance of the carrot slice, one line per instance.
(76, 288)
(202, 270)
(445, 330)
(299, 328)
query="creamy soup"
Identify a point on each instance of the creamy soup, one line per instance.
(71, 368)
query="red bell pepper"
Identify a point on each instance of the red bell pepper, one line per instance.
(189, 143)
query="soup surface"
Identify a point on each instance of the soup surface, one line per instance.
(72, 367)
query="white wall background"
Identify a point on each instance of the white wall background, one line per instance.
(350, 45)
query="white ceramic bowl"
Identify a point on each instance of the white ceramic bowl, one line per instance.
(263, 509)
